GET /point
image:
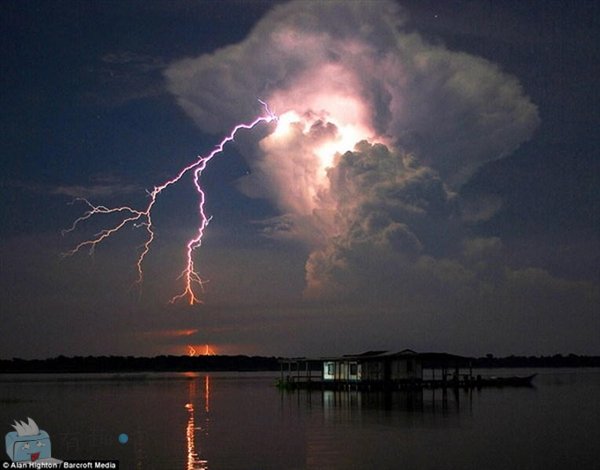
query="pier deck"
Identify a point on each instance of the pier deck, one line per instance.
(312, 383)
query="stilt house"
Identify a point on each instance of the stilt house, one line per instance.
(374, 367)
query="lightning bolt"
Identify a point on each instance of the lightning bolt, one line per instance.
(143, 218)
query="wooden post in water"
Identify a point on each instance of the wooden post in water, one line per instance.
(456, 376)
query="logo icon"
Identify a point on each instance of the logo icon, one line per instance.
(27, 443)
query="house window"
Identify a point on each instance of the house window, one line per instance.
(330, 369)
(353, 368)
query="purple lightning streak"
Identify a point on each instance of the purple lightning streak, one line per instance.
(143, 218)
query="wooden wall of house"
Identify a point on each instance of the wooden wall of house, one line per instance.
(372, 371)
(384, 369)
(405, 368)
(342, 370)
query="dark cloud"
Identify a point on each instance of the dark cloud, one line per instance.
(95, 190)
(125, 76)
(388, 211)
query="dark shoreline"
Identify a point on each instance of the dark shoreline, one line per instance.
(123, 364)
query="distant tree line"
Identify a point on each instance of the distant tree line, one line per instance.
(557, 360)
(63, 364)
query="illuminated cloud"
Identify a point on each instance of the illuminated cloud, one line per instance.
(378, 131)
(165, 334)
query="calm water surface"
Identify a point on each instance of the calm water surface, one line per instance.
(241, 421)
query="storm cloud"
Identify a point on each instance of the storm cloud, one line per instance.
(425, 118)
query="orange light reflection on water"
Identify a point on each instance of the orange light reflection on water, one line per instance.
(206, 395)
(194, 462)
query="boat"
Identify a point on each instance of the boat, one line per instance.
(511, 381)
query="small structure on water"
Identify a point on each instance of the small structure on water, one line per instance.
(374, 367)
(384, 370)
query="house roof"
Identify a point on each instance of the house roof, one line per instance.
(367, 355)
(428, 359)
(433, 359)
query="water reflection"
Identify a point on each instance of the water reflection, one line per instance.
(240, 422)
(206, 395)
(381, 424)
(194, 460)
(422, 400)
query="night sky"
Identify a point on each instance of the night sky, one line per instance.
(465, 220)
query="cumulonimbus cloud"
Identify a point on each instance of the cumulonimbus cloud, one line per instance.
(338, 74)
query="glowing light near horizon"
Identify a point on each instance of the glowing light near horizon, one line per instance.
(206, 350)
(143, 218)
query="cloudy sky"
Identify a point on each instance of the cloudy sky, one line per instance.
(430, 182)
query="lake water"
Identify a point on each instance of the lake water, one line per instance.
(241, 421)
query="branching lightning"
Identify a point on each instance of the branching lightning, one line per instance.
(194, 351)
(143, 218)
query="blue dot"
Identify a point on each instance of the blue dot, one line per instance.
(123, 438)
